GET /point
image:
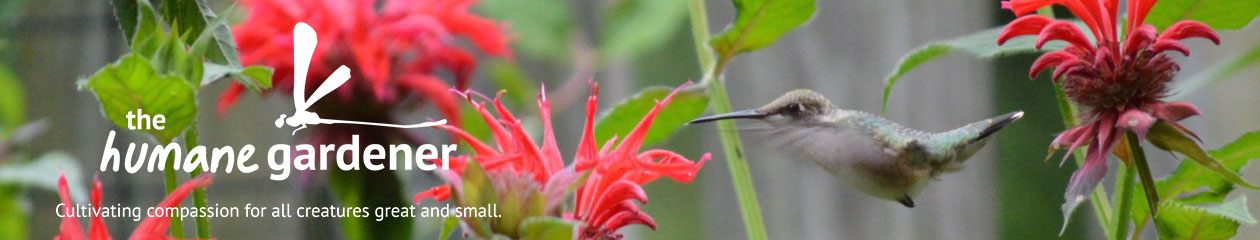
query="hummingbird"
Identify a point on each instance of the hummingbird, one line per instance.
(876, 156)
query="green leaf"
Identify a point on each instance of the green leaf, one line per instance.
(125, 11)
(184, 13)
(1220, 14)
(633, 27)
(476, 191)
(542, 28)
(981, 44)
(1217, 73)
(196, 15)
(259, 75)
(12, 102)
(448, 226)
(758, 23)
(130, 84)
(472, 122)
(623, 117)
(1235, 210)
(43, 173)
(1181, 221)
(148, 35)
(546, 228)
(1168, 138)
(512, 79)
(12, 212)
(1191, 176)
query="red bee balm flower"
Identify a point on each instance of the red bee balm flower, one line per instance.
(150, 229)
(394, 50)
(605, 201)
(1119, 82)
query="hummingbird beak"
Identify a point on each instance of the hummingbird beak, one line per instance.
(750, 113)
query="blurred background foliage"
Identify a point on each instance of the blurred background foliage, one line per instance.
(845, 52)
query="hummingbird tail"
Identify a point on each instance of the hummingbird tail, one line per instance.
(995, 124)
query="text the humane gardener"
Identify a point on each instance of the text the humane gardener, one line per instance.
(279, 157)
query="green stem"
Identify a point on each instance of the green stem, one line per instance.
(199, 194)
(172, 181)
(741, 177)
(1098, 199)
(1148, 182)
(700, 36)
(1124, 195)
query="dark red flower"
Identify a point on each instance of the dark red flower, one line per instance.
(395, 48)
(605, 201)
(150, 228)
(1119, 81)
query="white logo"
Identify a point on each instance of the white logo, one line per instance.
(304, 42)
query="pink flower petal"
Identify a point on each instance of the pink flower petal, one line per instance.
(1083, 182)
(69, 225)
(1188, 29)
(1170, 45)
(1047, 60)
(97, 229)
(1022, 7)
(626, 218)
(1171, 111)
(156, 227)
(1069, 137)
(1066, 67)
(1026, 25)
(587, 154)
(1066, 31)
(1137, 121)
(1140, 39)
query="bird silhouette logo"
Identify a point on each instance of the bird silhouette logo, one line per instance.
(304, 42)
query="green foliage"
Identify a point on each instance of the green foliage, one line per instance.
(12, 213)
(631, 26)
(162, 72)
(448, 226)
(1220, 14)
(759, 23)
(131, 83)
(1180, 221)
(36, 173)
(981, 44)
(142, 26)
(546, 228)
(127, 14)
(686, 105)
(1166, 137)
(517, 86)
(260, 75)
(475, 191)
(15, 177)
(1191, 176)
(197, 17)
(542, 28)
(12, 102)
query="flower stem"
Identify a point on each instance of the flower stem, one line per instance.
(1098, 199)
(172, 181)
(199, 194)
(1124, 196)
(1148, 182)
(741, 177)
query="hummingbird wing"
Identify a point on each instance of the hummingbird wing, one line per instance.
(829, 146)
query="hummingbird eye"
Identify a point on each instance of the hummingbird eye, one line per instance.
(794, 109)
